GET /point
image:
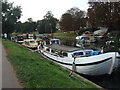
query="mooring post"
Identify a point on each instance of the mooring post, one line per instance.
(73, 68)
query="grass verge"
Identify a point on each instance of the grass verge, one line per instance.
(65, 34)
(36, 72)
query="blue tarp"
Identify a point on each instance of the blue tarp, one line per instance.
(96, 52)
(83, 39)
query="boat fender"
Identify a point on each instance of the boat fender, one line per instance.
(73, 65)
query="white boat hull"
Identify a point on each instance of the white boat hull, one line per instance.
(97, 69)
(93, 65)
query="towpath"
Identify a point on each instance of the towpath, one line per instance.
(9, 79)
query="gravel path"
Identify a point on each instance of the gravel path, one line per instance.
(9, 79)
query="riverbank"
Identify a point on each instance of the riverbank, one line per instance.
(73, 35)
(35, 71)
(65, 35)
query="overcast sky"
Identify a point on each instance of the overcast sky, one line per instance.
(36, 9)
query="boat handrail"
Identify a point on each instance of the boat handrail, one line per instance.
(55, 54)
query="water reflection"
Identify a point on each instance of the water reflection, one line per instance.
(68, 42)
(94, 46)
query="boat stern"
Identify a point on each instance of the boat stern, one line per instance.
(116, 64)
(118, 59)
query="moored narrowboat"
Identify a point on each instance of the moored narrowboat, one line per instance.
(87, 61)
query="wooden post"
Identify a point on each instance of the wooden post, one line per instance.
(73, 67)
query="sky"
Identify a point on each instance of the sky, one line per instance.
(36, 9)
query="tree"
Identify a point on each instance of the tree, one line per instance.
(28, 26)
(77, 19)
(48, 24)
(18, 27)
(30, 20)
(32, 25)
(104, 14)
(78, 16)
(66, 22)
(10, 17)
(41, 26)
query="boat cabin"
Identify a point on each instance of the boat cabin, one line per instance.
(30, 43)
(87, 61)
(20, 38)
(40, 37)
(52, 41)
(88, 38)
(66, 51)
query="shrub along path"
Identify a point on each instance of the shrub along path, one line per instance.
(37, 72)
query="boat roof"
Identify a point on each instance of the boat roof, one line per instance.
(41, 35)
(21, 35)
(54, 39)
(29, 40)
(63, 47)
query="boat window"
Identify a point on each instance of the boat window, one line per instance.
(52, 42)
(57, 41)
(20, 38)
(65, 54)
(60, 53)
(88, 53)
(56, 51)
(53, 51)
(78, 53)
(32, 42)
(48, 49)
(47, 42)
(27, 43)
(87, 38)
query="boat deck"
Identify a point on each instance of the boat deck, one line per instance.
(63, 48)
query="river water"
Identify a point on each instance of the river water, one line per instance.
(106, 81)
(95, 46)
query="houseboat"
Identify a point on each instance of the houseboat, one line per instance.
(87, 61)
(86, 37)
(52, 41)
(20, 38)
(30, 43)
